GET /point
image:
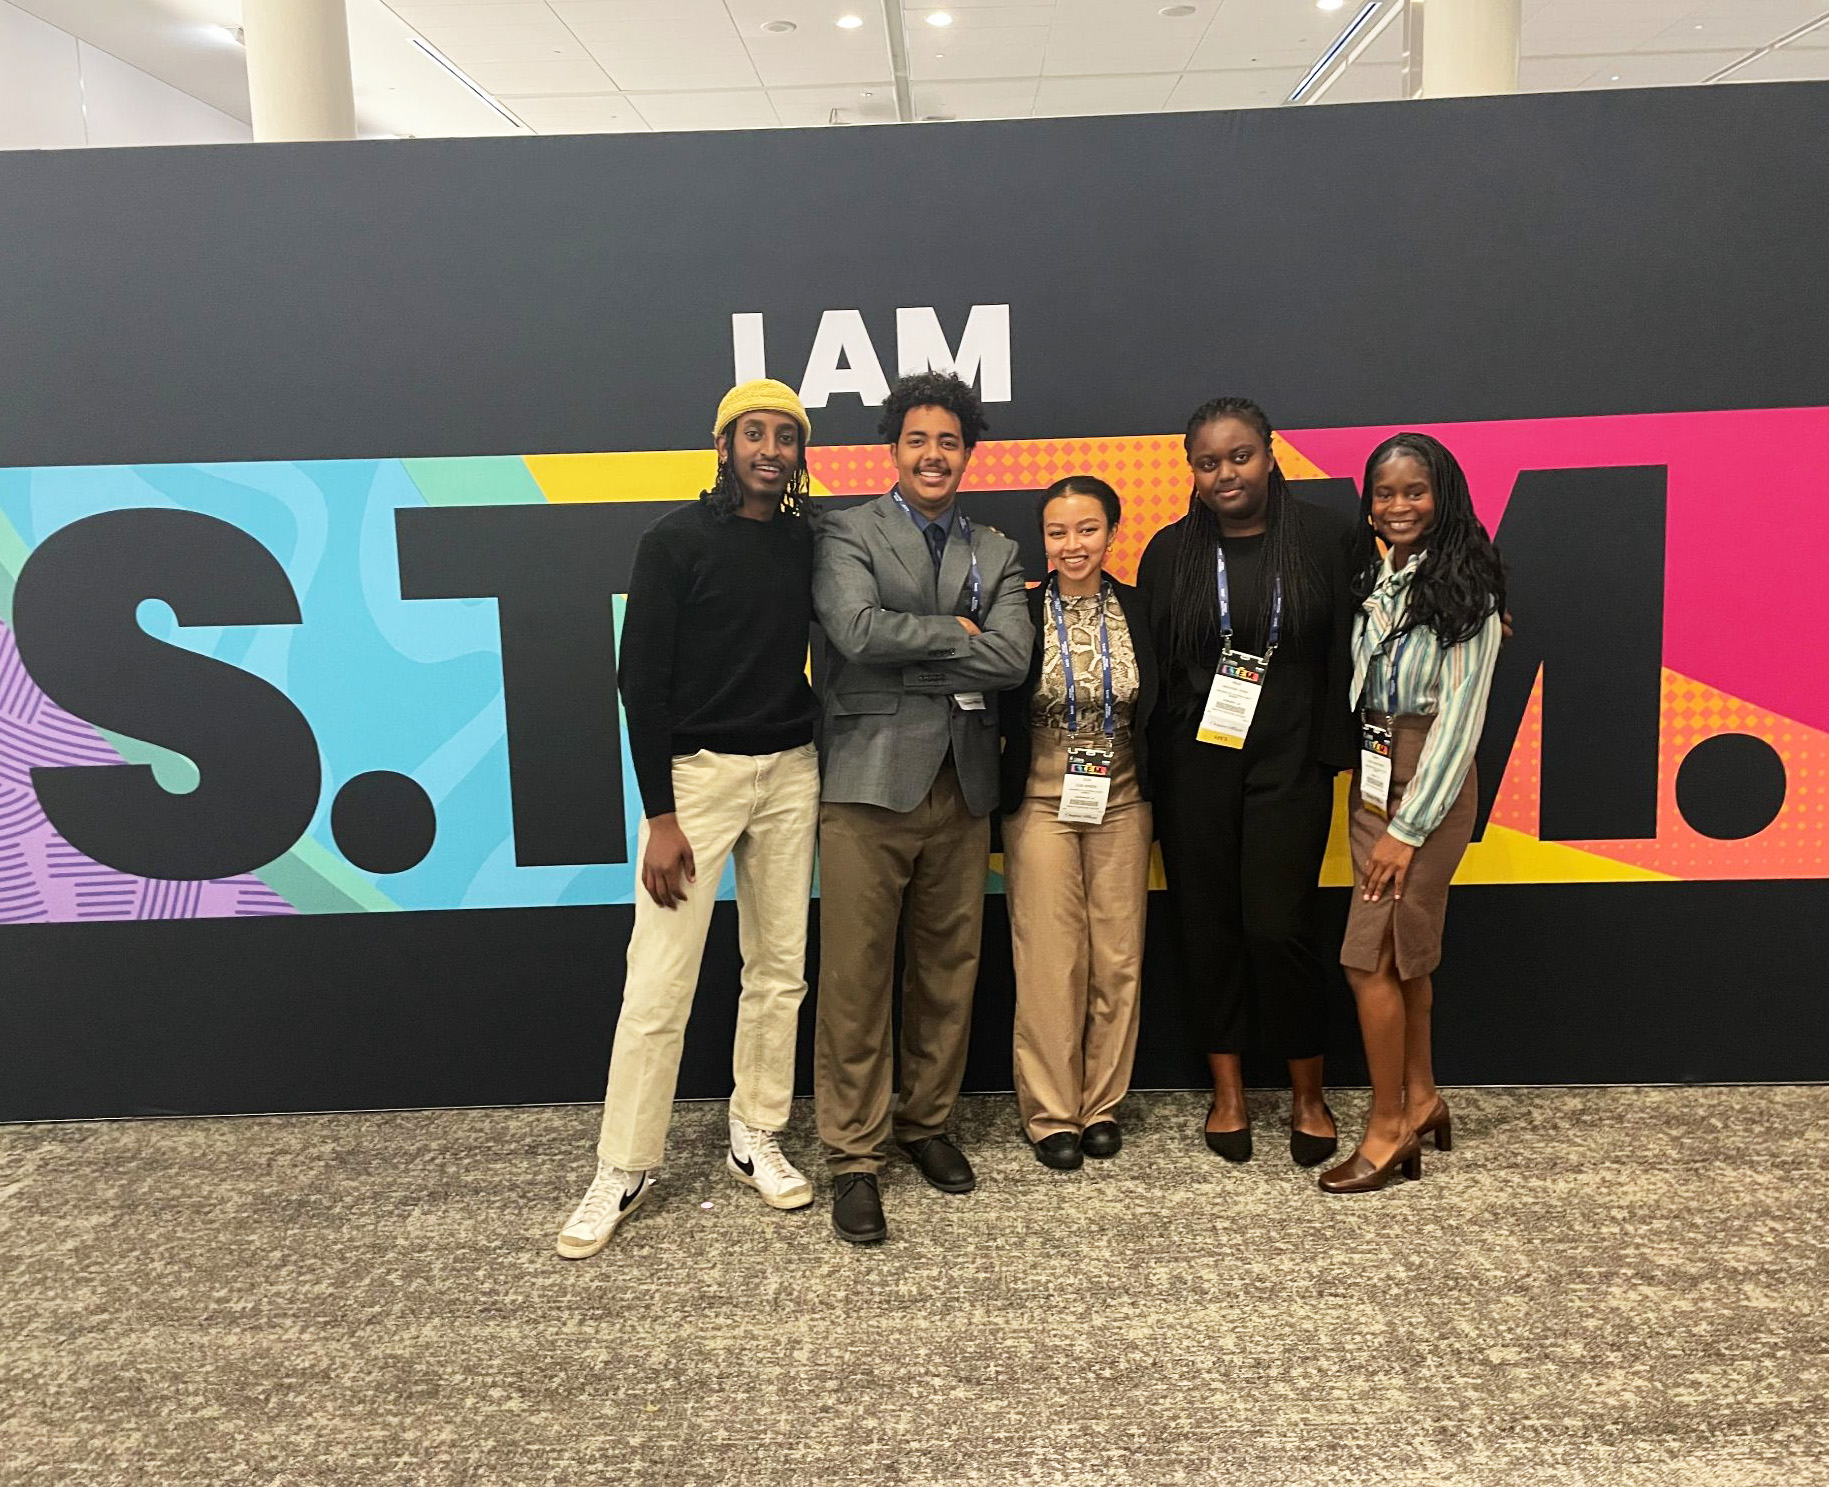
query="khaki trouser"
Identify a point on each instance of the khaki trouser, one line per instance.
(926, 869)
(1078, 897)
(762, 809)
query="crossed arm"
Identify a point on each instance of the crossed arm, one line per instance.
(937, 652)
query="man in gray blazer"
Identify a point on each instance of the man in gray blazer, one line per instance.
(926, 621)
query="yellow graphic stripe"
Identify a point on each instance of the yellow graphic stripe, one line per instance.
(637, 475)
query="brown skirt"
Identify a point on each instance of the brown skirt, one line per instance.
(1414, 922)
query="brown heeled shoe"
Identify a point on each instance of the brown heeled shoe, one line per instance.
(1441, 1124)
(1357, 1175)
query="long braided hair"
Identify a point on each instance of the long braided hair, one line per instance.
(725, 497)
(1193, 615)
(1463, 580)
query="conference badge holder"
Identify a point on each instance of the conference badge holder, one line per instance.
(1238, 686)
(1375, 747)
(1086, 790)
(1375, 768)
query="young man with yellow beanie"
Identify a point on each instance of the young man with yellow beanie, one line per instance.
(721, 723)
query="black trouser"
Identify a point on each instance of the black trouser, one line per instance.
(1243, 834)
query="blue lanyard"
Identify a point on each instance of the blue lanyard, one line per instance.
(1397, 650)
(1225, 605)
(1060, 631)
(965, 531)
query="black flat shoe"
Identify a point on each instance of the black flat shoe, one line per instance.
(1311, 1151)
(941, 1163)
(1102, 1140)
(1061, 1151)
(857, 1209)
(1234, 1146)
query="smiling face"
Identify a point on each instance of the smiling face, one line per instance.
(930, 458)
(1402, 503)
(1076, 534)
(763, 452)
(1231, 466)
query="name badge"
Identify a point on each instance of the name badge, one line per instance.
(1238, 686)
(1375, 768)
(1086, 790)
(969, 702)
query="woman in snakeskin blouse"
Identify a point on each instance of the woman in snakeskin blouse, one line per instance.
(1076, 832)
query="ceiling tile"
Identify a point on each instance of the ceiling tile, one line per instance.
(1004, 98)
(980, 54)
(716, 61)
(1123, 36)
(816, 51)
(1247, 33)
(1059, 97)
(1790, 64)
(727, 110)
(1658, 69)
(530, 78)
(1579, 28)
(1254, 87)
(1554, 74)
(800, 108)
(599, 113)
(478, 46)
(1366, 81)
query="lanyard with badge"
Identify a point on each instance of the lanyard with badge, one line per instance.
(1375, 747)
(1238, 683)
(971, 702)
(1086, 789)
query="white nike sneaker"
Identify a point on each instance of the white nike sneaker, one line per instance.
(756, 1159)
(613, 1196)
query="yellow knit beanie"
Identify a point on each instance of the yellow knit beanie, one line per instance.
(764, 395)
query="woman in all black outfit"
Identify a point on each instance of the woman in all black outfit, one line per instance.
(1244, 828)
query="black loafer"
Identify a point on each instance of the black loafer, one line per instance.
(857, 1209)
(941, 1163)
(1102, 1140)
(1061, 1151)
(1311, 1151)
(1234, 1146)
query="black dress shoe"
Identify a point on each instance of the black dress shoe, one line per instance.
(1061, 1151)
(857, 1209)
(941, 1163)
(1234, 1146)
(1311, 1151)
(1102, 1140)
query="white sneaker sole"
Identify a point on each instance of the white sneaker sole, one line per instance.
(573, 1249)
(784, 1202)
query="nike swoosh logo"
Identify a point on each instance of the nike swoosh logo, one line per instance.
(747, 1165)
(628, 1198)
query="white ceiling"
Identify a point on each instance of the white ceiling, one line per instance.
(592, 66)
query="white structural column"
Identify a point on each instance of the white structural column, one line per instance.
(298, 69)
(1469, 47)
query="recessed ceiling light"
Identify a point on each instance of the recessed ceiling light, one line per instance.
(779, 28)
(939, 18)
(1329, 4)
(866, 94)
(850, 22)
(1614, 78)
(1176, 10)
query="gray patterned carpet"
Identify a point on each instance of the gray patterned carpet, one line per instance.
(1598, 1286)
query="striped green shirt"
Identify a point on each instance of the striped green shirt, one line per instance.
(1449, 682)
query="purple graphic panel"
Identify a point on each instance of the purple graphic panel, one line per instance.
(45, 880)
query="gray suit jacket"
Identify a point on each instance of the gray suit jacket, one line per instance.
(897, 656)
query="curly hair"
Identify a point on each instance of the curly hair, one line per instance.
(1463, 580)
(1193, 619)
(725, 495)
(933, 390)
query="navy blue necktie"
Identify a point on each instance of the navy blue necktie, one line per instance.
(936, 544)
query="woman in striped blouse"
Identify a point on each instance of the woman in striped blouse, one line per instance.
(1425, 639)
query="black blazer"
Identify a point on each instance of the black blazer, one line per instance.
(1013, 705)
